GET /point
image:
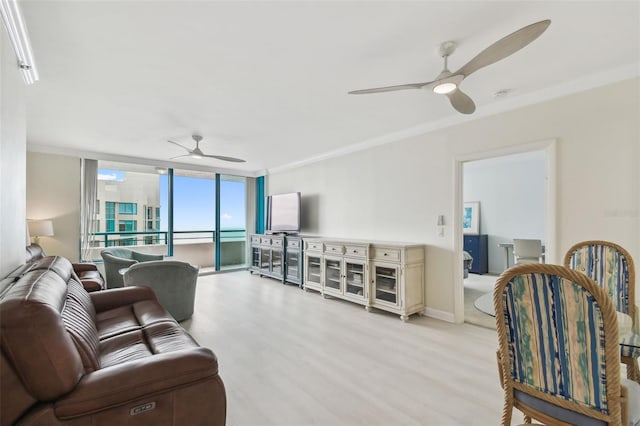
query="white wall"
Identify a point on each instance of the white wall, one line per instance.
(397, 191)
(12, 160)
(53, 192)
(511, 192)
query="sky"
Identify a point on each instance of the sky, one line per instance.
(194, 203)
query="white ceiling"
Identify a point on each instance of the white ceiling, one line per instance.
(268, 81)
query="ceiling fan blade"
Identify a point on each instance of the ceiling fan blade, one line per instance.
(179, 156)
(504, 47)
(461, 102)
(223, 158)
(180, 145)
(390, 88)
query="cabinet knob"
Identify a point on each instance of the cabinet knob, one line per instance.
(385, 254)
(355, 251)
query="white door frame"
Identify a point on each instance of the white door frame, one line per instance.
(550, 233)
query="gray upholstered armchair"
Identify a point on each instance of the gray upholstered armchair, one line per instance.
(116, 258)
(173, 282)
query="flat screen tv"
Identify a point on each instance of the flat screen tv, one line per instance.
(283, 213)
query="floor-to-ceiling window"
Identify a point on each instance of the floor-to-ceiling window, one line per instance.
(197, 217)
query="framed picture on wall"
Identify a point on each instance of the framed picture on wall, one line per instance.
(471, 218)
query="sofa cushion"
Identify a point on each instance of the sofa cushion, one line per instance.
(129, 318)
(154, 339)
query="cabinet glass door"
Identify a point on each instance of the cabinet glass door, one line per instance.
(313, 268)
(276, 261)
(293, 264)
(265, 259)
(386, 284)
(255, 257)
(332, 273)
(355, 279)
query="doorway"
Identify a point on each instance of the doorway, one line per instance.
(545, 149)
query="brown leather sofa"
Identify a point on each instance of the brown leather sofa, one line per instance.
(90, 278)
(111, 357)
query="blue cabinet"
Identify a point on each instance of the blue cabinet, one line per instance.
(478, 247)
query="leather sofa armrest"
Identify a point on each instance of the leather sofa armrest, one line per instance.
(82, 267)
(122, 383)
(117, 297)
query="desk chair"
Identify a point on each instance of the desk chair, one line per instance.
(611, 266)
(559, 353)
(527, 251)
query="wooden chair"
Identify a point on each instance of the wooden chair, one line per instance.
(611, 266)
(558, 354)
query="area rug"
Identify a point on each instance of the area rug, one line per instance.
(473, 315)
(484, 303)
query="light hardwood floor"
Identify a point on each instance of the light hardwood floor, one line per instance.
(290, 357)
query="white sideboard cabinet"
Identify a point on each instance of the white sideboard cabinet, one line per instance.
(386, 276)
(397, 279)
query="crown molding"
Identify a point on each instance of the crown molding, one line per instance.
(582, 84)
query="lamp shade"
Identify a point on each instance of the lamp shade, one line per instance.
(41, 228)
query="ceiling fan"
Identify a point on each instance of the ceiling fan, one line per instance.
(197, 152)
(448, 83)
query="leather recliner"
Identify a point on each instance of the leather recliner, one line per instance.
(111, 357)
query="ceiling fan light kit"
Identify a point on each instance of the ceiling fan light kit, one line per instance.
(444, 88)
(448, 83)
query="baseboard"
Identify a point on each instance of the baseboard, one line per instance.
(441, 315)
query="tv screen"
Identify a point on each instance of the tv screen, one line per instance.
(283, 212)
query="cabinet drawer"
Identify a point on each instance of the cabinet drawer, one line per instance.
(334, 248)
(255, 239)
(265, 240)
(355, 251)
(276, 242)
(389, 254)
(314, 245)
(293, 244)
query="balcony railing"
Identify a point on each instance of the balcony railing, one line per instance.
(134, 238)
(196, 247)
